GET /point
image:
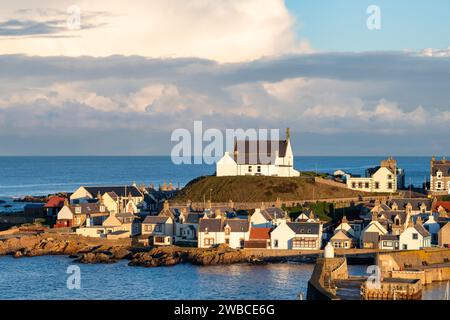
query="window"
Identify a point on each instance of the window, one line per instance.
(258, 169)
(389, 185)
(354, 185)
(377, 185)
(102, 208)
(227, 231)
(275, 243)
(360, 185)
(439, 175)
(389, 176)
(158, 228)
(439, 185)
(241, 243)
(149, 228)
(208, 241)
(227, 241)
(415, 236)
(366, 185)
(78, 210)
(405, 247)
(249, 168)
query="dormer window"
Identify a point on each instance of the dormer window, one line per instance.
(439, 174)
(77, 209)
(206, 230)
(102, 208)
(227, 231)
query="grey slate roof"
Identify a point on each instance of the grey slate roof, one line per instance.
(272, 213)
(416, 203)
(212, 225)
(370, 237)
(237, 225)
(217, 225)
(421, 229)
(88, 208)
(304, 227)
(193, 218)
(121, 191)
(391, 237)
(155, 219)
(443, 166)
(249, 151)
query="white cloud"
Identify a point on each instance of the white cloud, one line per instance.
(221, 30)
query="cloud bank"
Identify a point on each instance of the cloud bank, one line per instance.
(335, 103)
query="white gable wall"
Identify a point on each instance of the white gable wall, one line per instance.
(65, 214)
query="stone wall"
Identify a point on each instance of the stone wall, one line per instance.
(428, 264)
(325, 272)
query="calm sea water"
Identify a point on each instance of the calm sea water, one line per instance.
(43, 175)
(46, 278)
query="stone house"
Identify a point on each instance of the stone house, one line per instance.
(440, 176)
(386, 178)
(158, 230)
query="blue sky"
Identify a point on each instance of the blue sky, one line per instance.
(340, 25)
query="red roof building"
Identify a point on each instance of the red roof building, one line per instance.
(259, 238)
(260, 233)
(443, 204)
(53, 205)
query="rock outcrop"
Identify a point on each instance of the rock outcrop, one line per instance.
(168, 256)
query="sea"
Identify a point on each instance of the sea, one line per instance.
(47, 277)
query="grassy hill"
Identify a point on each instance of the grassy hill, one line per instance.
(255, 189)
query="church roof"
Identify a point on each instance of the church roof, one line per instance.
(259, 151)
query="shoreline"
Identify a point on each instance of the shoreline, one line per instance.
(95, 250)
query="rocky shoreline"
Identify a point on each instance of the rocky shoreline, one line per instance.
(85, 250)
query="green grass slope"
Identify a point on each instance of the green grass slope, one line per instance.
(260, 188)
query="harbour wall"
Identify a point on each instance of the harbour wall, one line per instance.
(428, 265)
(326, 270)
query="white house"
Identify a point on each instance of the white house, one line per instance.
(233, 232)
(297, 235)
(158, 230)
(259, 158)
(370, 235)
(267, 218)
(387, 178)
(415, 237)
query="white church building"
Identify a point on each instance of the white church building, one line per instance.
(259, 158)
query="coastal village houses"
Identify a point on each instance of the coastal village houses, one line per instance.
(215, 231)
(267, 217)
(386, 178)
(297, 235)
(116, 198)
(440, 176)
(259, 158)
(116, 226)
(158, 230)
(415, 236)
(75, 215)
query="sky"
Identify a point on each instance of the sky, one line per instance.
(121, 78)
